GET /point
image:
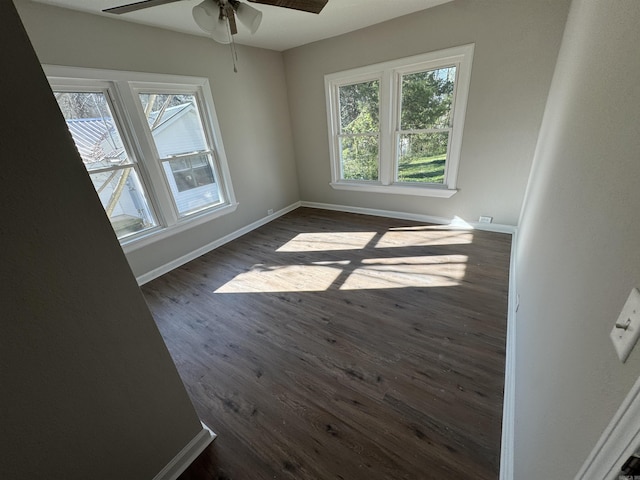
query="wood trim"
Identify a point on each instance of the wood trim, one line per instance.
(161, 233)
(187, 455)
(167, 267)
(422, 191)
(454, 222)
(509, 401)
(619, 440)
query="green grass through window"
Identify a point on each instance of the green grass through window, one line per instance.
(422, 169)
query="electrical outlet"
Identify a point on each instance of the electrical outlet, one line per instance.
(626, 331)
(270, 211)
(484, 219)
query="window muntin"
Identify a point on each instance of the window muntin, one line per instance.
(114, 175)
(422, 103)
(176, 127)
(121, 90)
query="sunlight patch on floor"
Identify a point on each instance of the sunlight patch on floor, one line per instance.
(412, 237)
(316, 277)
(407, 272)
(372, 273)
(331, 241)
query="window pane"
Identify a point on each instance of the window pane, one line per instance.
(359, 157)
(124, 201)
(359, 107)
(191, 173)
(422, 157)
(94, 132)
(426, 99)
(193, 183)
(175, 123)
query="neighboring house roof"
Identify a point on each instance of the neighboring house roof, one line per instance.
(171, 115)
(98, 140)
(89, 135)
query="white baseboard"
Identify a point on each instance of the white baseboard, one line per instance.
(618, 442)
(187, 455)
(167, 267)
(507, 444)
(454, 222)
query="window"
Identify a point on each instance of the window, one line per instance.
(359, 135)
(115, 176)
(396, 127)
(177, 130)
(151, 146)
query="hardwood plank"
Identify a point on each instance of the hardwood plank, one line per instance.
(328, 345)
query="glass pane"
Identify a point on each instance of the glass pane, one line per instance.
(426, 99)
(193, 184)
(359, 107)
(359, 157)
(94, 132)
(124, 201)
(191, 173)
(175, 123)
(422, 157)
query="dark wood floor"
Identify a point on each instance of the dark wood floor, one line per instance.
(327, 345)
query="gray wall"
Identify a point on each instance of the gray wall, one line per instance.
(516, 47)
(251, 105)
(88, 387)
(578, 250)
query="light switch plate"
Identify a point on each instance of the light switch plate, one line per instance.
(626, 331)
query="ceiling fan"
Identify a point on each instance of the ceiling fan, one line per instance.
(218, 17)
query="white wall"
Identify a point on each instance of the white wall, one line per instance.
(251, 105)
(516, 47)
(88, 389)
(578, 250)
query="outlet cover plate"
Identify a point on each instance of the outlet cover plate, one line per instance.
(485, 219)
(626, 331)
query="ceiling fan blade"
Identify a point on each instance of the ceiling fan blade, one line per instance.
(132, 7)
(313, 6)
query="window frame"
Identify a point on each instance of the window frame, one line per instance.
(390, 97)
(367, 77)
(122, 88)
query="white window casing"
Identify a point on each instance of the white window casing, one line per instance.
(390, 76)
(122, 90)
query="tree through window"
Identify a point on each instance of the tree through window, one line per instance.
(425, 125)
(114, 175)
(396, 127)
(152, 148)
(178, 134)
(359, 130)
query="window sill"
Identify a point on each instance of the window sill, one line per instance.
(184, 224)
(430, 191)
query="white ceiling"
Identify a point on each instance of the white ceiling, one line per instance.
(281, 28)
